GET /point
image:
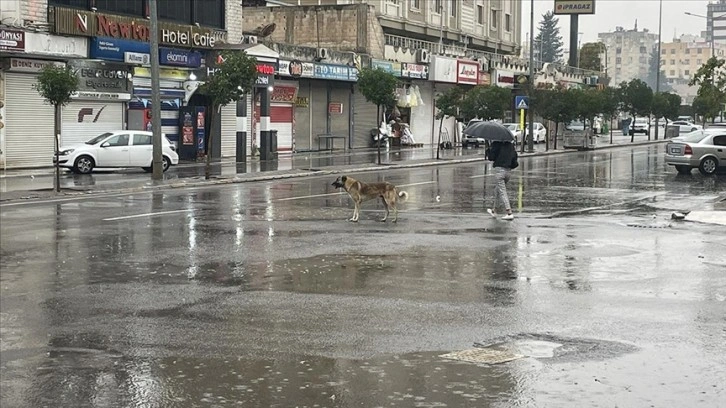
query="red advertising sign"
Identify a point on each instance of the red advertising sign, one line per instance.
(12, 40)
(283, 94)
(335, 108)
(467, 72)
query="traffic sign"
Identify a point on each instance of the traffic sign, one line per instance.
(521, 102)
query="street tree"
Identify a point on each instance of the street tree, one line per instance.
(485, 102)
(56, 84)
(711, 81)
(379, 88)
(448, 105)
(666, 105)
(636, 98)
(556, 104)
(232, 80)
(590, 103)
(549, 38)
(610, 106)
(590, 56)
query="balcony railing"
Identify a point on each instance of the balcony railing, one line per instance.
(464, 52)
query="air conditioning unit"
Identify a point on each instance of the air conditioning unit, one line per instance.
(322, 53)
(250, 39)
(483, 64)
(423, 56)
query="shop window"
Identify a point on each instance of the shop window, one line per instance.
(81, 4)
(131, 7)
(209, 13)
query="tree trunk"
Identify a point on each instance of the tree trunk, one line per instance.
(632, 132)
(438, 143)
(56, 143)
(212, 116)
(380, 136)
(557, 131)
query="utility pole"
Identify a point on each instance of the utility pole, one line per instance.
(657, 72)
(530, 141)
(158, 170)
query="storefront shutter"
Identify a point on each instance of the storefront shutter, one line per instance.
(229, 130)
(364, 119)
(29, 124)
(84, 120)
(281, 120)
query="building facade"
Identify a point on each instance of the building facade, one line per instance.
(716, 21)
(682, 58)
(628, 53)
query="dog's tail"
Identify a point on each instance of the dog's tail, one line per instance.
(403, 195)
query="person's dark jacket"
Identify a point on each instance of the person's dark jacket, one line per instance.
(502, 154)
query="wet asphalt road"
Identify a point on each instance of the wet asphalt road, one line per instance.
(262, 295)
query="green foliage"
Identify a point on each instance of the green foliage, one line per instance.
(652, 78)
(636, 97)
(666, 105)
(448, 103)
(558, 105)
(485, 102)
(610, 102)
(589, 103)
(234, 78)
(590, 57)
(549, 38)
(378, 87)
(56, 84)
(711, 81)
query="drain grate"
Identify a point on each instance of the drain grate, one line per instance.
(482, 356)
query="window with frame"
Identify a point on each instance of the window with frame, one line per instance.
(175, 10)
(699, 61)
(82, 4)
(209, 13)
(673, 62)
(687, 62)
(700, 51)
(438, 6)
(454, 9)
(495, 17)
(673, 51)
(508, 22)
(618, 50)
(688, 50)
(480, 16)
(643, 50)
(415, 4)
(142, 139)
(130, 7)
(664, 52)
(673, 72)
(618, 60)
(687, 72)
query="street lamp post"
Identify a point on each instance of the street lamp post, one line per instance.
(713, 23)
(530, 141)
(657, 70)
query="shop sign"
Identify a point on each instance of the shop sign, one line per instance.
(137, 58)
(283, 94)
(12, 40)
(443, 69)
(414, 71)
(485, 78)
(265, 74)
(104, 78)
(387, 66)
(302, 102)
(181, 58)
(105, 96)
(30, 65)
(113, 49)
(93, 24)
(505, 78)
(296, 69)
(335, 108)
(334, 72)
(574, 7)
(467, 72)
(164, 73)
(48, 44)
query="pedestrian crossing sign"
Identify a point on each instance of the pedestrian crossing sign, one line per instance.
(521, 102)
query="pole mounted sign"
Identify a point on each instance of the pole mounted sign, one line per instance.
(521, 102)
(569, 7)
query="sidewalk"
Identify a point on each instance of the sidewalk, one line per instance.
(37, 183)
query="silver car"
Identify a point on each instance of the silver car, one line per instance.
(705, 150)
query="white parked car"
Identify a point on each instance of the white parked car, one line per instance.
(685, 127)
(121, 148)
(540, 133)
(640, 126)
(516, 131)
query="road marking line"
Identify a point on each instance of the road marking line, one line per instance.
(126, 217)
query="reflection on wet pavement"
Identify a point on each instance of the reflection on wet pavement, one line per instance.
(263, 295)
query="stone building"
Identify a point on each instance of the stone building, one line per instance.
(681, 59)
(628, 53)
(716, 21)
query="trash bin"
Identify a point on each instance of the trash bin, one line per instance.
(268, 145)
(625, 126)
(672, 131)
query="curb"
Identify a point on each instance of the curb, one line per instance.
(302, 173)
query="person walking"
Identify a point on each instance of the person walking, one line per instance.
(504, 156)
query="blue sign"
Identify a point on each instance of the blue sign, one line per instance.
(180, 58)
(334, 72)
(113, 49)
(521, 102)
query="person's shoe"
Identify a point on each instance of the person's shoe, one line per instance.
(491, 212)
(508, 217)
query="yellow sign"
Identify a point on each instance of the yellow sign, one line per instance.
(173, 74)
(569, 7)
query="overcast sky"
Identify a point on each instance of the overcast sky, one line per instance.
(612, 13)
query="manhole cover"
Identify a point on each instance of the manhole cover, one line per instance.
(482, 356)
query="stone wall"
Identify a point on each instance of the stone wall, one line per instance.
(352, 28)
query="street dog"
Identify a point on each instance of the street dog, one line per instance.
(360, 192)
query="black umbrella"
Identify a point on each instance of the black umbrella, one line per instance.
(493, 131)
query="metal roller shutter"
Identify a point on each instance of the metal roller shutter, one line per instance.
(29, 124)
(318, 110)
(281, 120)
(364, 119)
(84, 120)
(228, 130)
